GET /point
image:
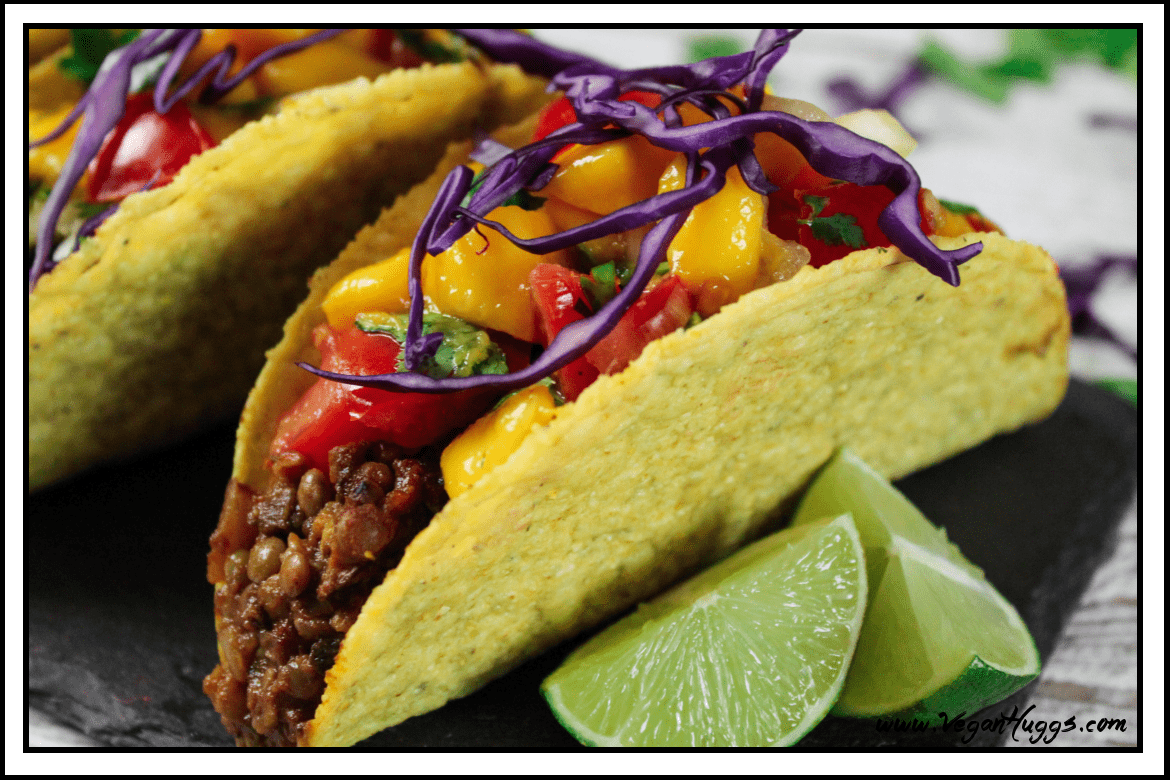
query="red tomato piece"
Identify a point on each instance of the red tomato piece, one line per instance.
(554, 116)
(145, 146)
(864, 203)
(387, 46)
(979, 222)
(659, 311)
(331, 413)
(561, 301)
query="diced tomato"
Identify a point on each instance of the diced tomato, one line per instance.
(145, 146)
(560, 301)
(387, 46)
(560, 112)
(331, 413)
(981, 223)
(554, 116)
(659, 311)
(864, 203)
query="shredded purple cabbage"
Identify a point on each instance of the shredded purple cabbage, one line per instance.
(852, 96)
(104, 103)
(1100, 120)
(535, 57)
(593, 89)
(1080, 284)
(90, 226)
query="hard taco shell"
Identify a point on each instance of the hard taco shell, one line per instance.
(158, 324)
(700, 445)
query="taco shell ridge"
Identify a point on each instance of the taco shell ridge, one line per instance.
(157, 325)
(701, 445)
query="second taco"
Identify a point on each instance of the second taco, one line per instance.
(501, 448)
(213, 207)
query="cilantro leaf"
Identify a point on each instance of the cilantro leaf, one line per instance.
(600, 286)
(704, 47)
(958, 208)
(90, 48)
(834, 230)
(1032, 55)
(429, 49)
(525, 200)
(838, 229)
(818, 204)
(522, 198)
(476, 183)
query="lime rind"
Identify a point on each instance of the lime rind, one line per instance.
(960, 645)
(938, 638)
(752, 652)
(979, 686)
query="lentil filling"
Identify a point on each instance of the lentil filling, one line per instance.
(292, 568)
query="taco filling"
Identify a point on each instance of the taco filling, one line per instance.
(138, 134)
(645, 202)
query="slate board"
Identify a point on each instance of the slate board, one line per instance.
(119, 613)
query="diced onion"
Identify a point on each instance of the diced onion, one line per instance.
(801, 109)
(879, 125)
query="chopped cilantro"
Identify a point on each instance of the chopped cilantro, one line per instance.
(464, 351)
(958, 208)
(838, 229)
(525, 200)
(833, 230)
(817, 202)
(90, 47)
(600, 286)
(1033, 55)
(87, 210)
(704, 47)
(476, 183)
(429, 49)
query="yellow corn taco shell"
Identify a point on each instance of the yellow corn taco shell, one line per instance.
(700, 445)
(159, 323)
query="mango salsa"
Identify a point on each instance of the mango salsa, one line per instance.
(381, 287)
(493, 438)
(483, 277)
(606, 177)
(733, 220)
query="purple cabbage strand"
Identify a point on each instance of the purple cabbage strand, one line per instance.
(593, 90)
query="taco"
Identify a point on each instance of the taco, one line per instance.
(211, 215)
(416, 514)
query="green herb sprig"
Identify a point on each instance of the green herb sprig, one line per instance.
(836, 229)
(90, 48)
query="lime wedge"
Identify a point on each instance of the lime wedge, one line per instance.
(751, 652)
(938, 638)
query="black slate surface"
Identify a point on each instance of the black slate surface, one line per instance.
(119, 614)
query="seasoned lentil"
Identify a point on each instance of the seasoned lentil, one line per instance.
(292, 569)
